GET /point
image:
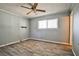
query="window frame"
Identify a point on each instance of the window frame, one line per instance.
(47, 24)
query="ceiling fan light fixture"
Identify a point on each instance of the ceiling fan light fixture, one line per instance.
(33, 8)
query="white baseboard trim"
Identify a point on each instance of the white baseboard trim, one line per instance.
(12, 42)
(33, 39)
(50, 41)
(9, 43)
(74, 52)
(23, 39)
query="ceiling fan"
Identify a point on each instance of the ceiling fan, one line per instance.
(33, 8)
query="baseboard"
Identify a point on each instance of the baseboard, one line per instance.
(9, 43)
(50, 41)
(74, 52)
(33, 39)
(13, 42)
(23, 39)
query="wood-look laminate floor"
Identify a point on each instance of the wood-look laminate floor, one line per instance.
(36, 48)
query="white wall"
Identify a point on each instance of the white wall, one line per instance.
(10, 28)
(75, 37)
(59, 35)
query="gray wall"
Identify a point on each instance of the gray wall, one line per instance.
(75, 40)
(59, 35)
(10, 30)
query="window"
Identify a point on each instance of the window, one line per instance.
(43, 24)
(52, 23)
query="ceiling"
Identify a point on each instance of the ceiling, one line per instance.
(49, 7)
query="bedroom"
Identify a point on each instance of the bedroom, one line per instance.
(39, 29)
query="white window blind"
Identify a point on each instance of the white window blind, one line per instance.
(43, 24)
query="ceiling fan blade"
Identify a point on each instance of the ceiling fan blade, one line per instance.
(25, 7)
(35, 5)
(40, 10)
(29, 12)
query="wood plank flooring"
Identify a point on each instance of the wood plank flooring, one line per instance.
(36, 48)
